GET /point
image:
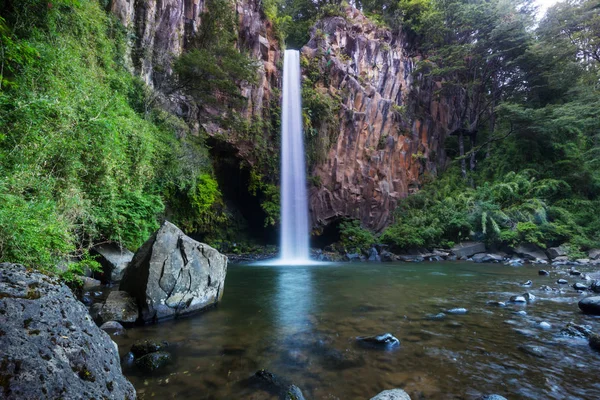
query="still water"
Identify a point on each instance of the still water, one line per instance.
(301, 323)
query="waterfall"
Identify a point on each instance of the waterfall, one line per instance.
(294, 203)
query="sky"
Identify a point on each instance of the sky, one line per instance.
(544, 5)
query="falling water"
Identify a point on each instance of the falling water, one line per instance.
(294, 204)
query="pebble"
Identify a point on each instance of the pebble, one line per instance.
(528, 283)
(545, 325)
(521, 312)
(518, 299)
(543, 272)
(579, 286)
(562, 281)
(574, 272)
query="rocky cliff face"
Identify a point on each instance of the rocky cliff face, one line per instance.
(392, 126)
(162, 30)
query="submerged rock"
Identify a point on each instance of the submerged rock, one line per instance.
(392, 394)
(536, 351)
(153, 361)
(143, 347)
(50, 346)
(173, 275)
(435, 317)
(528, 283)
(383, 341)
(543, 272)
(578, 331)
(275, 384)
(590, 305)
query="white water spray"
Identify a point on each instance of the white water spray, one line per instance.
(294, 203)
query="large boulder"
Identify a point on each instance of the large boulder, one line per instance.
(559, 251)
(468, 249)
(531, 252)
(51, 348)
(113, 259)
(173, 275)
(594, 254)
(590, 305)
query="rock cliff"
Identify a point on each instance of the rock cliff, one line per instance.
(392, 125)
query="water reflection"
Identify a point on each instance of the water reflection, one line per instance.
(294, 298)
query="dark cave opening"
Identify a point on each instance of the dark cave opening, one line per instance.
(248, 223)
(329, 234)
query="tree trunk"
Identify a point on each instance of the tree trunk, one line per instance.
(463, 161)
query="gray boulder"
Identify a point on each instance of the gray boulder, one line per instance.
(468, 249)
(554, 252)
(531, 252)
(393, 394)
(51, 348)
(594, 254)
(487, 258)
(173, 275)
(120, 307)
(113, 259)
(590, 305)
(595, 286)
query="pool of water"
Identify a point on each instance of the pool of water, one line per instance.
(302, 323)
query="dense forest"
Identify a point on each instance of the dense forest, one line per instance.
(87, 153)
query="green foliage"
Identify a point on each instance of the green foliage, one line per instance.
(354, 238)
(82, 157)
(269, 195)
(75, 270)
(212, 71)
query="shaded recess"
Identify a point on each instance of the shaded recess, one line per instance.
(233, 176)
(327, 235)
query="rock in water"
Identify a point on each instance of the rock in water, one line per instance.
(153, 361)
(492, 397)
(590, 305)
(468, 249)
(173, 275)
(50, 347)
(457, 311)
(543, 272)
(120, 307)
(275, 384)
(384, 341)
(579, 286)
(393, 394)
(113, 259)
(594, 341)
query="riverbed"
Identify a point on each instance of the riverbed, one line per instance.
(301, 323)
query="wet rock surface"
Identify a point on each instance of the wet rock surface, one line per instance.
(173, 275)
(113, 259)
(51, 348)
(383, 341)
(275, 384)
(119, 306)
(393, 394)
(590, 305)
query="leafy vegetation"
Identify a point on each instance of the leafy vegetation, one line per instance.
(355, 238)
(81, 158)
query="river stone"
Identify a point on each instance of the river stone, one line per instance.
(113, 259)
(373, 255)
(579, 286)
(384, 341)
(562, 281)
(50, 346)
(113, 328)
(596, 286)
(536, 351)
(543, 272)
(594, 340)
(528, 283)
(468, 249)
(578, 331)
(275, 384)
(153, 361)
(574, 272)
(457, 311)
(393, 394)
(143, 347)
(120, 307)
(487, 258)
(529, 297)
(518, 299)
(590, 305)
(173, 275)
(492, 397)
(545, 325)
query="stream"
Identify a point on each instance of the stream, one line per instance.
(301, 323)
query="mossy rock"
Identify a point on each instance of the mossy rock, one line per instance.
(154, 361)
(143, 347)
